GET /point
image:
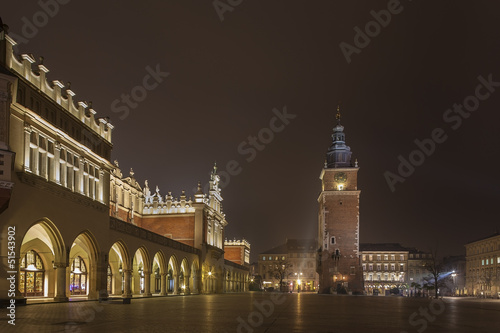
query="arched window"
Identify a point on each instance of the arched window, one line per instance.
(32, 275)
(78, 277)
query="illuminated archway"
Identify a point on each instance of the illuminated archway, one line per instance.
(119, 270)
(141, 270)
(158, 275)
(83, 266)
(43, 248)
(173, 275)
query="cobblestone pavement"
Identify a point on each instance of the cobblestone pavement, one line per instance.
(262, 312)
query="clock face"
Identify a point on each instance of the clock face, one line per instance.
(340, 177)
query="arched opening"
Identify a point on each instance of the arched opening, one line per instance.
(119, 270)
(184, 277)
(42, 266)
(158, 274)
(173, 276)
(141, 271)
(83, 268)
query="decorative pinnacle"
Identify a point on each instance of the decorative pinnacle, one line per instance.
(337, 116)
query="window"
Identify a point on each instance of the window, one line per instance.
(379, 257)
(386, 267)
(393, 267)
(332, 240)
(482, 261)
(283, 258)
(353, 270)
(498, 260)
(386, 257)
(264, 258)
(371, 257)
(364, 267)
(370, 267)
(78, 277)
(270, 258)
(379, 267)
(364, 257)
(31, 276)
(393, 257)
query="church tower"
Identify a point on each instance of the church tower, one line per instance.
(339, 265)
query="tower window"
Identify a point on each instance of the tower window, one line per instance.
(332, 240)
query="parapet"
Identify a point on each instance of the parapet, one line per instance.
(55, 90)
(235, 242)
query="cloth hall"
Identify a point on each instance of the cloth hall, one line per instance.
(82, 227)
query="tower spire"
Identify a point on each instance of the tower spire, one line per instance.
(339, 154)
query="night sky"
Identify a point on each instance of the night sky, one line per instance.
(226, 77)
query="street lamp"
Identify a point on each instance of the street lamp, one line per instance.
(454, 276)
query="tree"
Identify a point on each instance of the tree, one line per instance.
(488, 278)
(280, 271)
(256, 283)
(435, 269)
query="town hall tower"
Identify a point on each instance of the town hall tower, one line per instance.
(339, 265)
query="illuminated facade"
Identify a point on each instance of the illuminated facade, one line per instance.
(389, 266)
(483, 267)
(339, 265)
(297, 258)
(81, 228)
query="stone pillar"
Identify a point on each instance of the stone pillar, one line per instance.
(147, 284)
(196, 283)
(61, 283)
(163, 284)
(176, 284)
(27, 150)
(187, 291)
(55, 172)
(126, 289)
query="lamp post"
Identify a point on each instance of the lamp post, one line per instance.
(454, 276)
(298, 275)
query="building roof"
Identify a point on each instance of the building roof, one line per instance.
(483, 238)
(294, 245)
(388, 247)
(282, 249)
(301, 245)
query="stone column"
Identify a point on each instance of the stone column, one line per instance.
(27, 150)
(61, 282)
(147, 284)
(126, 289)
(187, 291)
(196, 282)
(55, 172)
(163, 284)
(176, 284)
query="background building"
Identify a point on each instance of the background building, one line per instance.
(385, 267)
(295, 261)
(483, 266)
(389, 266)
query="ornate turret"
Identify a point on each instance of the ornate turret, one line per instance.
(338, 155)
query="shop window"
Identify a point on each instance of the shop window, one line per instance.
(32, 274)
(78, 277)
